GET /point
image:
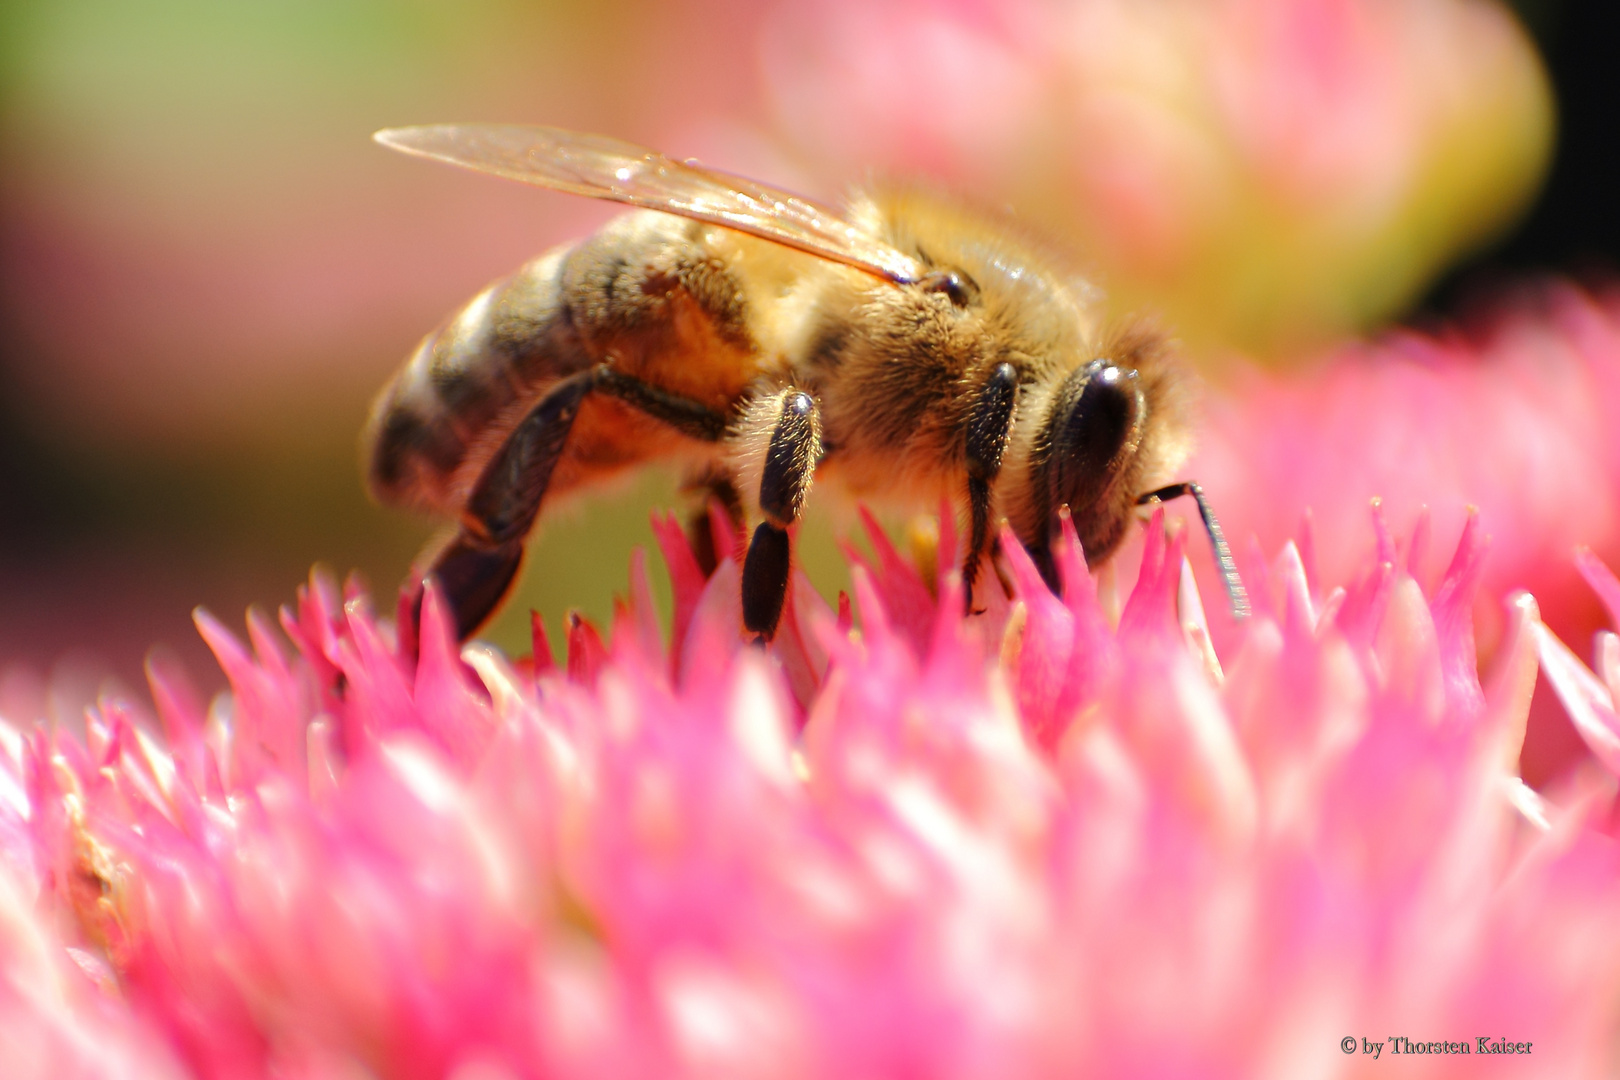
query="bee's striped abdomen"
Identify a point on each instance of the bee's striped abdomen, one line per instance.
(646, 293)
(468, 382)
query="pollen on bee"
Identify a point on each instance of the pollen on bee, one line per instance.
(922, 536)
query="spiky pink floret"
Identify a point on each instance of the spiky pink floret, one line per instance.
(1037, 841)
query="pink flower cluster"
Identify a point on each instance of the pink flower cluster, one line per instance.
(1515, 410)
(1060, 837)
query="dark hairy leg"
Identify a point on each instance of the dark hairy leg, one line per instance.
(988, 427)
(712, 487)
(790, 463)
(477, 568)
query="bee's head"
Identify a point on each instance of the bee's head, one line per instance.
(1092, 436)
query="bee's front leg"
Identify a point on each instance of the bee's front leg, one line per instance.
(989, 425)
(789, 466)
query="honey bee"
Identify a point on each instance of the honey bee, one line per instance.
(904, 348)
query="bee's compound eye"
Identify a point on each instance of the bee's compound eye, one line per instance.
(1094, 430)
(961, 289)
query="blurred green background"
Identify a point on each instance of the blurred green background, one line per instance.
(209, 269)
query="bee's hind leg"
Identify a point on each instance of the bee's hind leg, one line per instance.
(790, 462)
(477, 568)
(473, 579)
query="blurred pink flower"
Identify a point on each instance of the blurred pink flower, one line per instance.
(1516, 414)
(1063, 837)
(1266, 172)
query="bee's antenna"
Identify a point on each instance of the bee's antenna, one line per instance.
(1236, 595)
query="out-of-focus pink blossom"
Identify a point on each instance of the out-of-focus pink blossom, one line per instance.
(1267, 172)
(1060, 837)
(1517, 415)
(61, 1014)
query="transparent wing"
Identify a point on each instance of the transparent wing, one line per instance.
(605, 168)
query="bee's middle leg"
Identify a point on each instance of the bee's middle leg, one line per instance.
(790, 462)
(712, 485)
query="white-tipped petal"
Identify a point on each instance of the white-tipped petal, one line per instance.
(1190, 606)
(1585, 698)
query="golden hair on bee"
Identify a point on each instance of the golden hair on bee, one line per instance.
(907, 349)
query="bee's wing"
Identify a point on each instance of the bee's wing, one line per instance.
(605, 168)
